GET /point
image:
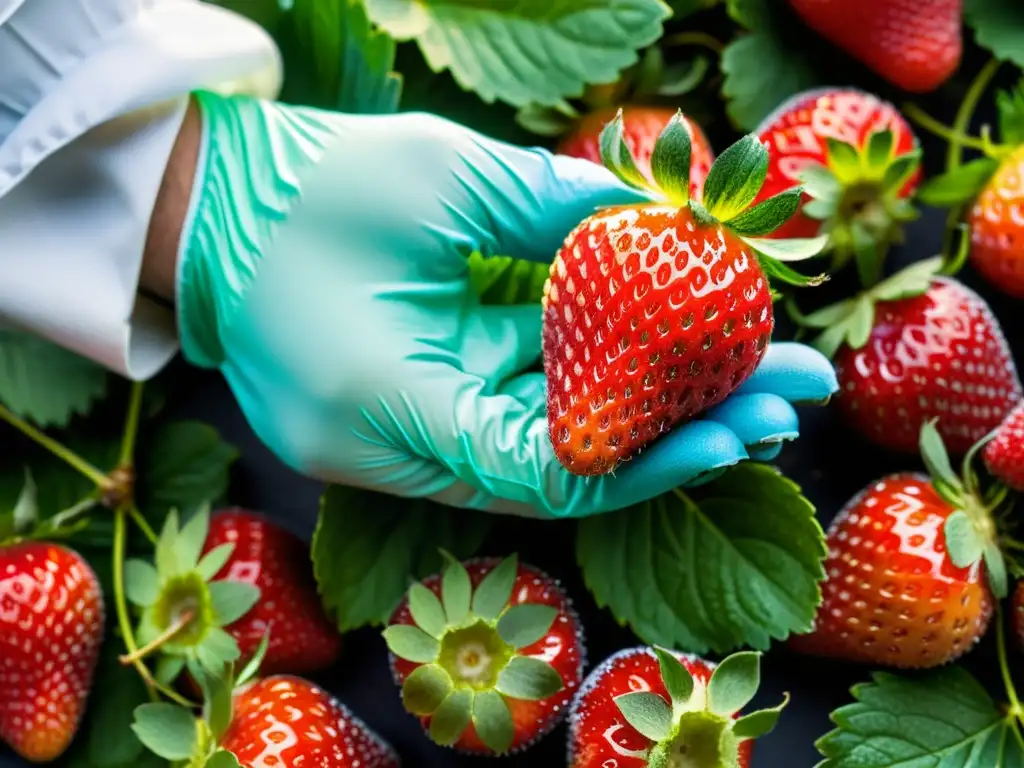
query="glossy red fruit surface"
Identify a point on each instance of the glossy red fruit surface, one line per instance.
(649, 319)
(302, 638)
(51, 630)
(562, 648)
(996, 221)
(914, 44)
(892, 595)
(797, 135)
(643, 125)
(940, 355)
(287, 722)
(1004, 455)
(599, 735)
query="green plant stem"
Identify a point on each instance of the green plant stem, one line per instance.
(131, 427)
(142, 524)
(57, 449)
(1004, 667)
(933, 126)
(701, 39)
(954, 153)
(183, 621)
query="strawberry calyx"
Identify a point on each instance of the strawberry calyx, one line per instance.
(698, 727)
(858, 196)
(732, 184)
(468, 644)
(183, 609)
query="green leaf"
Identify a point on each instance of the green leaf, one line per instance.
(351, 64)
(189, 544)
(427, 611)
(762, 71)
(452, 717)
(411, 643)
(211, 563)
(252, 667)
(911, 281)
(670, 160)
(734, 683)
(185, 466)
(529, 678)
(500, 280)
(522, 51)
(45, 383)
(959, 186)
(545, 120)
(425, 689)
(676, 677)
(737, 565)
(964, 544)
(1010, 105)
(995, 567)
(616, 154)
(218, 707)
(166, 730)
(492, 720)
(367, 546)
(777, 272)
(222, 758)
(495, 590)
(142, 582)
(936, 459)
(735, 178)
(788, 249)
(217, 649)
(523, 625)
(647, 713)
(231, 600)
(456, 591)
(759, 723)
(998, 26)
(942, 718)
(765, 217)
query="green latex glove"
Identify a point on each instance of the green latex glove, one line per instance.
(325, 275)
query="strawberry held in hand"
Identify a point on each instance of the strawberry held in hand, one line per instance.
(912, 567)
(277, 563)
(914, 44)
(488, 655)
(660, 709)
(51, 630)
(1004, 455)
(858, 162)
(654, 313)
(641, 128)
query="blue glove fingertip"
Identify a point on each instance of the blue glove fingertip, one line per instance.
(757, 418)
(795, 372)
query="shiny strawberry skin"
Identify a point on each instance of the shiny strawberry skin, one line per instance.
(598, 734)
(914, 44)
(892, 596)
(996, 221)
(938, 355)
(302, 638)
(649, 320)
(797, 134)
(643, 125)
(51, 630)
(1004, 455)
(288, 722)
(562, 647)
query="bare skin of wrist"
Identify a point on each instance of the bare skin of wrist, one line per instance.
(160, 260)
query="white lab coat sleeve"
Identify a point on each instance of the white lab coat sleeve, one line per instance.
(92, 94)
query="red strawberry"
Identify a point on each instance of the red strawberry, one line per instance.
(51, 630)
(906, 570)
(642, 127)
(276, 561)
(996, 221)
(654, 313)
(643, 705)
(287, 722)
(865, 161)
(1004, 455)
(488, 656)
(914, 44)
(940, 354)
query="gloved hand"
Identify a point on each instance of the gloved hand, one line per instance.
(325, 274)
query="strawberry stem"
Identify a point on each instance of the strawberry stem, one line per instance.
(157, 643)
(1004, 668)
(946, 132)
(141, 523)
(131, 427)
(700, 39)
(62, 452)
(954, 153)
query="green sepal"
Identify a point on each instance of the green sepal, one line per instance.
(142, 582)
(659, 757)
(958, 186)
(868, 253)
(523, 625)
(529, 678)
(231, 600)
(963, 543)
(25, 513)
(670, 161)
(910, 281)
(820, 183)
(788, 249)
(936, 458)
(168, 668)
(844, 161)
(995, 567)
(701, 215)
(900, 170)
(820, 210)
(211, 563)
(252, 667)
(217, 710)
(188, 545)
(411, 643)
(164, 557)
(734, 683)
(167, 730)
(878, 152)
(494, 591)
(647, 713)
(451, 718)
(425, 689)
(1010, 108)
(767, 216)
(456, 591)
(222, 758)
(676, 677)
(217, 649)
(492, 720)
(616, 155)
(776, 271)
(735, 178)
(759, 723)
(427, 611)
